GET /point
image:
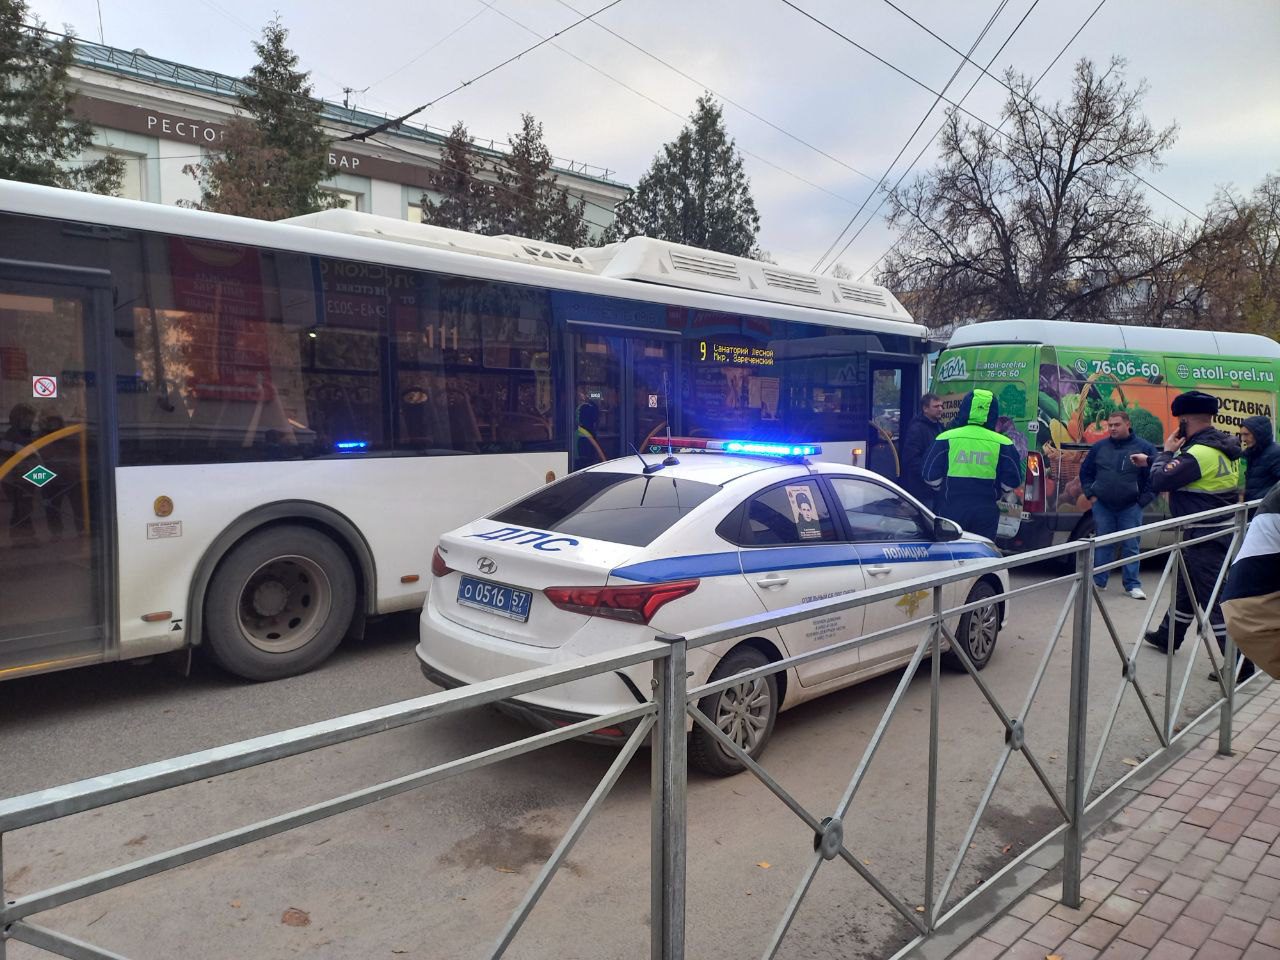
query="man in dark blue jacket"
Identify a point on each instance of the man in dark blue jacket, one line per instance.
(916, 441)
(1261, 456)
(1119, 489)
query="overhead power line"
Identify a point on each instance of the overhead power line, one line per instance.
(662, 106)
(1044, 73)
(925, 148)
(879, 59)
(222, 100)
(956, 105)
(1000, 80)
(903, 149)
(706, 86)
(448, 36)
(363, 134)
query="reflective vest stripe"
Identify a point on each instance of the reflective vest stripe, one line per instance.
(973, 452)
(1218, 472)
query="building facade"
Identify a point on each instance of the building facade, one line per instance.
(160, 117)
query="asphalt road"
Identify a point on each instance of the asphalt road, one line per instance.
(435, 873)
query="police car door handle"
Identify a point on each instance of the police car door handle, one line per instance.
(773, 581)
(879, 570)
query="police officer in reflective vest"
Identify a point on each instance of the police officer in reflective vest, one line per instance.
(971, 466)
(1199, 468)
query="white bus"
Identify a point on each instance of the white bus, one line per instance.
(248, 436)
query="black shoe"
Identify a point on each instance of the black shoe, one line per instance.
(1160, 640)
(1247, 671)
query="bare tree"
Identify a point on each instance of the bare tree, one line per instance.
(1229, 278)
(1047, 220)
(1243, 271)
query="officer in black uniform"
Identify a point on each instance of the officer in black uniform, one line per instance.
(1199, 468)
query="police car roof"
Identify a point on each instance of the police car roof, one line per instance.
(721, 468)
(717, 468)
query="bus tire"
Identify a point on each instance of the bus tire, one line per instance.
(279, 603)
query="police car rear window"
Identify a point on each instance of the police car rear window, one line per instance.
(616, 507)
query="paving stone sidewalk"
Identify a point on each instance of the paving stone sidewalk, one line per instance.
(1190, 868)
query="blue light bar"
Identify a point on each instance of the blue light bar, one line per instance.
(348, 446)
(771, 449)
(752, 448)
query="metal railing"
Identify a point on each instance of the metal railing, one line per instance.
(667, 717)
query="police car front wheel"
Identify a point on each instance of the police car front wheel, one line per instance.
(978, 629)
(745, 713)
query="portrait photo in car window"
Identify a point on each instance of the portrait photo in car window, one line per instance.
(804, 513)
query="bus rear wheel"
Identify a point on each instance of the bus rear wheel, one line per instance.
(279, 603)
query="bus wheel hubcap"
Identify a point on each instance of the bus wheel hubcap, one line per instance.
(284, 604)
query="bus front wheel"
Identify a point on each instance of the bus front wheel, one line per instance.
(279, 603)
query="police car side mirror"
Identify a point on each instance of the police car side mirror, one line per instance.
(944, 530)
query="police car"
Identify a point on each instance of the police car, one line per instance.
(612, 554)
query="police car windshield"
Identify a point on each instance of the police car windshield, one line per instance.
(616, 507)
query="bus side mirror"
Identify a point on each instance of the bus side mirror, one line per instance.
(945, 530)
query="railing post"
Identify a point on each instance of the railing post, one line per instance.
(1227, 717)
(669, 773)
(1174, 581)
(931, 811)
(1077, 742)
(4, 933)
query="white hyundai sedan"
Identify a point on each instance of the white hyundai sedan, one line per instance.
(613, 554)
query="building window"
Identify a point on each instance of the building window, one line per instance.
(133, 182)
(348, 199)
(414, 213)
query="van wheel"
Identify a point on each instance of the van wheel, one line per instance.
(1084, 529)
(745, 712)
(978, 630)
(279, 603)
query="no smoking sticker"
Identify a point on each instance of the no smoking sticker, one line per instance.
(44, 388)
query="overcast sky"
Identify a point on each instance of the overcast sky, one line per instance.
(1213, 69)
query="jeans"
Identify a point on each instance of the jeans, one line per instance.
(1112, 521)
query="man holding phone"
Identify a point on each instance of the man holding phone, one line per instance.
(1199, 468)
(1119, 489)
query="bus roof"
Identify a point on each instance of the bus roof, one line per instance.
(638, 269)
(640, 259)
(1064, 333)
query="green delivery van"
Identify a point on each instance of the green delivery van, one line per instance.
(1057, 382)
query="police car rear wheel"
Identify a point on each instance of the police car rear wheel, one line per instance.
(978, 630)
(745, 713)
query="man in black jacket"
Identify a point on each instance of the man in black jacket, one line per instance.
(1261, 457)
(1199, 468)
(916, 441)
(1119, 489)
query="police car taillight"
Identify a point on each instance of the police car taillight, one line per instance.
(636, 604)
(438, 567)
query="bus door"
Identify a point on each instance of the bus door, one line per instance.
(54, 528)
(895, 392)
(623, 385)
